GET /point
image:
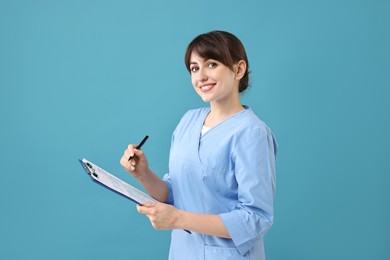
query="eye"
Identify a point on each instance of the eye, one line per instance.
(213, 65)
(194, 68)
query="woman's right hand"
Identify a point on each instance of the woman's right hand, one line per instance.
(138, 165)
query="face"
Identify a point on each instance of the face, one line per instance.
(212, 80)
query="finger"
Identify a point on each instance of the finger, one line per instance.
(139, 209)
(123, 162)
(126, 165)
(130, 149)
(143, 210)
(131, 146)
(138, 152)
(125, 159)
(149, 204)
(126, 153)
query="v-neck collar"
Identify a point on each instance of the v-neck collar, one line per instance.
(202, 118)
(205, 114)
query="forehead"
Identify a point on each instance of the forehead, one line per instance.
(196, 58)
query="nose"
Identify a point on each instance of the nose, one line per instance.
(201, 76)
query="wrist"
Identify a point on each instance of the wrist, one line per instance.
(141, 176)
(180, 220)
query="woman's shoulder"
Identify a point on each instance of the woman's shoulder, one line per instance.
(255, 128)
(249, 120)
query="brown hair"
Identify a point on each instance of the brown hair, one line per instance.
(220, 46)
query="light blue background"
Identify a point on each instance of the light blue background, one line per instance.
(85, 78)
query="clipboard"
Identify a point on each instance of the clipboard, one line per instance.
(110, 182)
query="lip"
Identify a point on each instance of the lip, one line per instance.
(206, 87)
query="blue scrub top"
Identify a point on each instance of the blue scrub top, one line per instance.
(229, 171)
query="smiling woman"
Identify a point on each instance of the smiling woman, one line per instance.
(214, 81)
(221, 178)
(220, 46)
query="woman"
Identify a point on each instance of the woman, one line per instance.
(221, 179)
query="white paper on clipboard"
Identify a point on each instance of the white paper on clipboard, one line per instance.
(109, 181)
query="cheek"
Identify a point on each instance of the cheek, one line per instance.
(193, 81)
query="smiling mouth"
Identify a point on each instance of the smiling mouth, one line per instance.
(207, 87)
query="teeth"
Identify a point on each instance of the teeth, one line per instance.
(206, 87)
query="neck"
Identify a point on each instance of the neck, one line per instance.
(219, 111)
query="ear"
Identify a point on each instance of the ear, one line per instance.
(240, 70)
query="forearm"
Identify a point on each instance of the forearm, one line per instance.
(207, 224)
(156, 187)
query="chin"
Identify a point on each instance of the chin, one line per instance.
(206, 99)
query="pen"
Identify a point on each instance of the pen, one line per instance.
(140, 145)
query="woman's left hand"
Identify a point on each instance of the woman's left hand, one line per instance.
(162, 216)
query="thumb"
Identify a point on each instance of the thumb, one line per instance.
(139, 153)
(149, 204)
